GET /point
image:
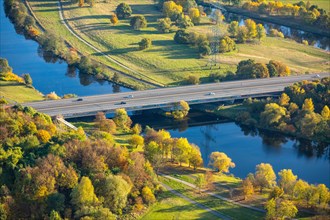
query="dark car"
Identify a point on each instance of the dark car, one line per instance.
(80, 99)
(122, 103)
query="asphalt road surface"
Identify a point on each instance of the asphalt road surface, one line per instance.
(156, 98)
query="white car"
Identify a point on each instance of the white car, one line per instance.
(211, 93)
(129, 96)
(317, 76)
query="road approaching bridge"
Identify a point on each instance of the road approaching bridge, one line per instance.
(166, 97)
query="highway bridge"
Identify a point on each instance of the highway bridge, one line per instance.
(167, 97)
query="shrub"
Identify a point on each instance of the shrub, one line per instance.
(145, 43)
(138, 22)
(181, 37)
(123, 10)
(114, 19)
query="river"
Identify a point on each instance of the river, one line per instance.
(247, 148)
(25, 56)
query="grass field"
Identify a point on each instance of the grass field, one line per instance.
(170, 206)
(166, 62)
(325, 4)
(14, 91)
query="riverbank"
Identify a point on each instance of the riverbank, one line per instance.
(15, 92)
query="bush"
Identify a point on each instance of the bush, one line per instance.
(164, 25)
(138, 22)
(275, 33)
(226, 45)
(114, 19)
(123, 10)
(145, 43)
(193, 80)
(181, 37)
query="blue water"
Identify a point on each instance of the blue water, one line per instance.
(23, 57)
(248, 150)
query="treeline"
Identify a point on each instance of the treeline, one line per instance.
(49, 172)
(304, 12)
(302, 110)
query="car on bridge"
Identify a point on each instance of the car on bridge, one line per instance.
(80, 99)
(210, 93)
(129, 96)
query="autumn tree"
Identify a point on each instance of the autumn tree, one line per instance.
(280, 209)
(164, 25)
(251, 27)
(184, 21)
(194, 15)
(181, 150)
(273, 115)
(138, 22)
(147, 195)
(233, 28)
(265, 176)
(181, 110)
(209, 179)
(81, 3)
(248, 188)
(104, 124)
(221, 162)
(226, 45)
(287, 180)
(192, 79)
(114, 19)
(308, 105)
(195, 157)
(4, 67)
(172, 10)
(136, 140)
(123, 10)
(325, 113)
(136, 129)
(284, 100)
(243, 34)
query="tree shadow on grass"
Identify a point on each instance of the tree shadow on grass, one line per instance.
(117, 51)
(90, 17)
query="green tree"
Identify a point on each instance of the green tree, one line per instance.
(287, 180)
(259, 70)
(123, 10)
(233, 28)
(83, 194)
(261, 32)
(114, 191)
(181, 37)
(265, 176)
(145, 43)
(221, 162)
(55, 215)
(4, 66)
(251, 27)
(148, 196)
(27, 79)
(164, 25)
(184, 21)
(138, 22)
(200, 182)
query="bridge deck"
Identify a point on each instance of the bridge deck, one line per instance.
(165, 97)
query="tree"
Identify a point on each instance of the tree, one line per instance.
(323, 195)
(277, 68)
(273, 115)
(247, 188)
(286, 209)
(218, 16)
(81, 3)
(83, 194)
(204, 48)
(164, 25)
(308, 105)
(309, 123)
(123, 10)
(325, 112)
(4, 67)
(184, 21)
(181, 110)
(27, 79)
(251, 27)
(138, 22)
(136, 140)
(181, 150)
(277, 192)
(261, 32)
(114, 19)
(259, 70)
(265, 176)
(221, 162)
(194, 80)
(43, 136)
(145, 43)
(209, 179)
(147, 195)
(172, 10)
(300, 189)
(233, 28)
(195, 157)
(226, 45)
(242, 34)
(55, 215)
(200, 182)
(137, 129)
(287, 180)
(121, 119)
(114, 190)
(194, 15)
(181, 37)
(115, 78)
(284, 100)
(270, 206)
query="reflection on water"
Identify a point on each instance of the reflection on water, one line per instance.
(248, 146)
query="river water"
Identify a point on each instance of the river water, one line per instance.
(246, 148)
(48, 74)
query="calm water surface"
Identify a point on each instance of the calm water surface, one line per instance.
(25, 56)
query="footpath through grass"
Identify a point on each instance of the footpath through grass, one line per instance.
(15, 91)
